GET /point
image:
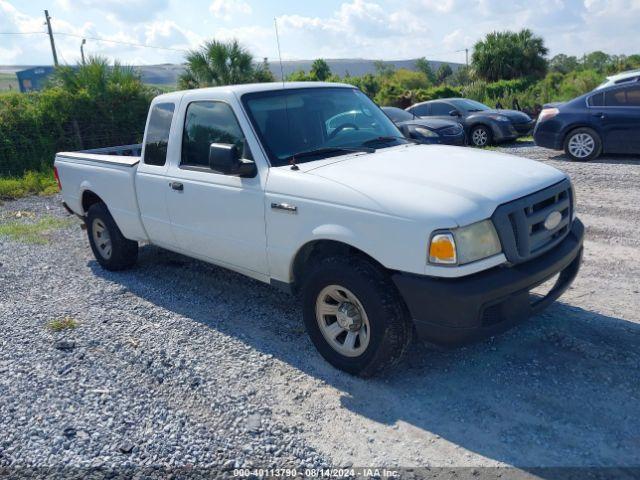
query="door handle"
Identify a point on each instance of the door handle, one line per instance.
(176, 186)
(599, 115)
(284, 207)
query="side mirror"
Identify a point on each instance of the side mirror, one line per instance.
(225, 158)
(454, 113)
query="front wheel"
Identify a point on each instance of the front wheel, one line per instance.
(582, 145)
(480, 136)
(354, 315)
(112, 250)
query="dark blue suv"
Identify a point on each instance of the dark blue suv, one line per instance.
(602, 121)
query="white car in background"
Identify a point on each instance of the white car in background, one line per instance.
(623, 77)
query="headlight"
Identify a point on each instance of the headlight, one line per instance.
(464, 245)
(425, 132)
(499, 118)
(547, 113)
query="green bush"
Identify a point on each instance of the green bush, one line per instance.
(555, 86)
(91, 107)
(443, 91)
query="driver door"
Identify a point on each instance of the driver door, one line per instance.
(214, 216)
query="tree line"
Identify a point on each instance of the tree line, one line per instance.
(506, 68)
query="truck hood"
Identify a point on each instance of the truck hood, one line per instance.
(463, 185)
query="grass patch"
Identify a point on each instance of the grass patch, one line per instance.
(31, 183)
(528, 138)
(60, 324)
(35, 232)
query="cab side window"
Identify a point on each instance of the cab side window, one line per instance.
(155, 147)
(209, 122)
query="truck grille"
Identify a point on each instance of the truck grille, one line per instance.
(521, 224)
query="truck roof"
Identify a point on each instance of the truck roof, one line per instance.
(253, 87)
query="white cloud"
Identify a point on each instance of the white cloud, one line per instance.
(102, 40)
(226, 9)
(129, 11)
(442, 6)
(383, 29)
(359, 19)
(456, 40)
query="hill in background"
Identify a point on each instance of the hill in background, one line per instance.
(167, 74)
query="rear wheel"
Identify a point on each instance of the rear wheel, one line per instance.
(481, 136)
(354, 315)
(582, 145)
(111, 249)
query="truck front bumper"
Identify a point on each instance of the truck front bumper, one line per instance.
(459, 310)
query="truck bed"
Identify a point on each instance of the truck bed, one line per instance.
(108, 173)
(127, 155)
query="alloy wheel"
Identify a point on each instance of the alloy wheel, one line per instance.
(581, 145)
(480, 137)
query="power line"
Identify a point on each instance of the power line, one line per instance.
(23, 33)
(97, 39)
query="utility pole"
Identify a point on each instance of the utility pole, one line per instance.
(53, 45)
(84, 40)
(466, 55)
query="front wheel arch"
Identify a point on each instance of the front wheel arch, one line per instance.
(317, 249)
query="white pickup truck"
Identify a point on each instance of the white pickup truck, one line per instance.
(311, 188)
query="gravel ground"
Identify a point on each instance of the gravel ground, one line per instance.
(177, 363)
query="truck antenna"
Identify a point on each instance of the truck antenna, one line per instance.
(275, 23)
(292, 162)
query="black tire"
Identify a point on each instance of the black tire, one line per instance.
(481, 132)
(391, 329)
(589, 139)
(123, 252)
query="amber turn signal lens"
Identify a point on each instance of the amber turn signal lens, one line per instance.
(442, 249)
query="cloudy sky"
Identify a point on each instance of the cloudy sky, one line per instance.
(381, 29)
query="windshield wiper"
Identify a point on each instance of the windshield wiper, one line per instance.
(387, 139)
(317, 152)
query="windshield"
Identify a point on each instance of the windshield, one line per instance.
(469, 105)
(397, 114)
(327, 119)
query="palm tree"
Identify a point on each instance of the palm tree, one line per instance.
(507, 55)
(217, 63)
(96, 77)
(320, 70)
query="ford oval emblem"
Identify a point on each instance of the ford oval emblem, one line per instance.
(552, 220)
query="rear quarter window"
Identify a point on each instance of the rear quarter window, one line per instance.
(155, 147)
(623, 97)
